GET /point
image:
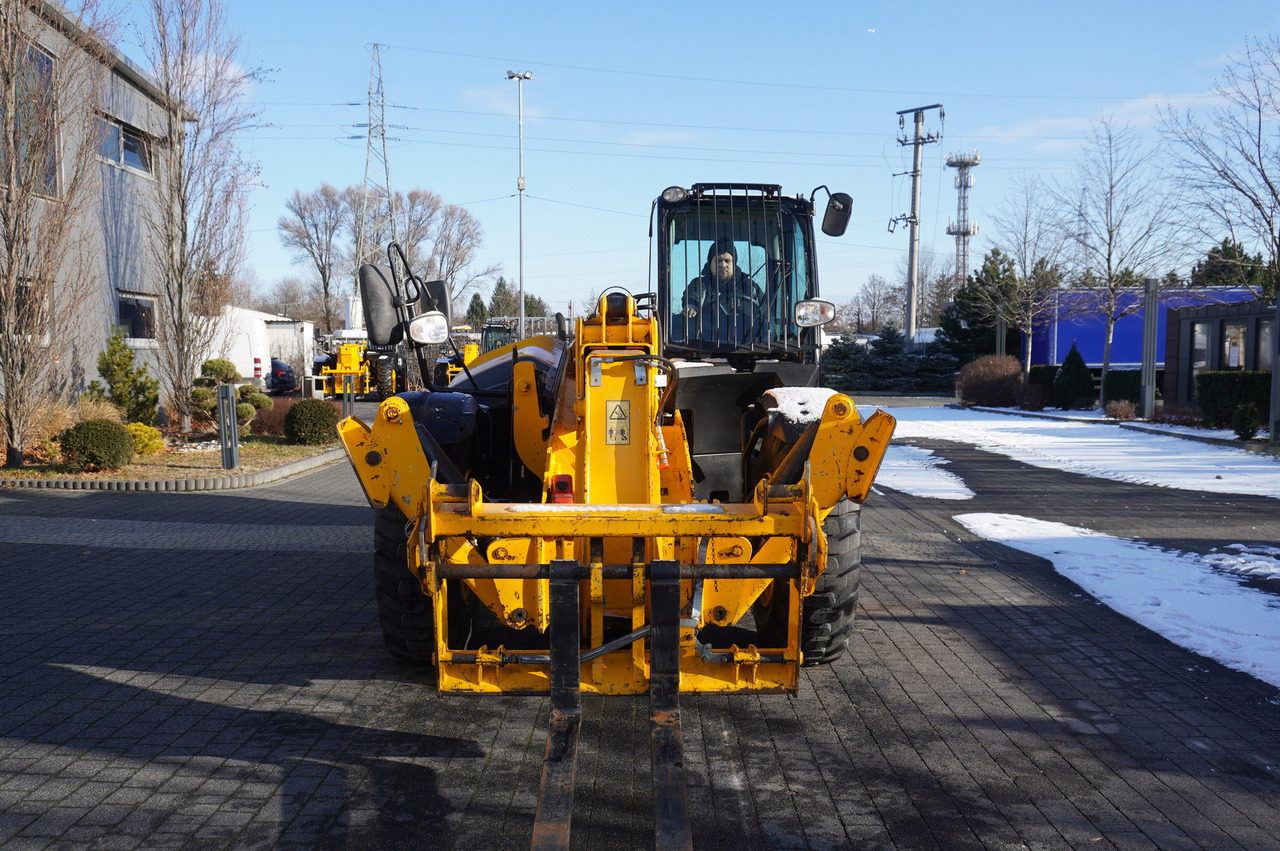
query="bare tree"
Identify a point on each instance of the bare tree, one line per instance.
(936, 275)
(1030, 230)
(440, 241)
(1229, 165)
(455, 239)
(292, 297)
(1122, 230)
(875, 303)
(313, 228)
(52, 72)
(417, 217)
(196, 225)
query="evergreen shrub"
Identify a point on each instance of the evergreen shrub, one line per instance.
(96, 445)
(221, 370)
(129, 387)
(146, 440)
(1073, 383)
(991, 380)
(312, 421)
(255, 397)
(1246, 421)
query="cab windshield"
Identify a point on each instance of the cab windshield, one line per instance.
(735, 267)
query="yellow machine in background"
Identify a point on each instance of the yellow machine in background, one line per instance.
(365, 368)
(351, 365)
(659, 502)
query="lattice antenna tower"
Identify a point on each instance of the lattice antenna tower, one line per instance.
(963, 227)
(376, 225)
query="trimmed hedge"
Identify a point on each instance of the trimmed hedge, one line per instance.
(1219, 394)
(312, 421)
(96, 445)
(1043, 374)
(1123, 385)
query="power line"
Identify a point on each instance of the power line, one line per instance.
(723, 81)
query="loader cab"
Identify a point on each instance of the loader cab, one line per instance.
(733, 263)
(495, 335)
(736, 333)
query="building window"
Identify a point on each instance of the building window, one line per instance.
(1266, 345)
(136, 317)
(35, 139)
(1199, 353)
(1233, 340)
(123, 145)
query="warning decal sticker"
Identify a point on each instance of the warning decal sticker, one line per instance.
(617, 422)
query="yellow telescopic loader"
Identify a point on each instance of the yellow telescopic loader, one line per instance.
(658, 500)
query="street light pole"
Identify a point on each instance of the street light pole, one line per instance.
(520, 78)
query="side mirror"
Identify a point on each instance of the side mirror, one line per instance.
(377, 295)
(438, 292)
(839, 209)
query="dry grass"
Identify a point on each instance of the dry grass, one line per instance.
(257, 453)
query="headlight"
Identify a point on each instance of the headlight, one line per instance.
(674, 194)
(815, 311)
(431, 328)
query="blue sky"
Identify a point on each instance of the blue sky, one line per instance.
(630, 98)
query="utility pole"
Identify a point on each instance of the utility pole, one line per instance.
(377, 220)
(520, 78)
(913, 220)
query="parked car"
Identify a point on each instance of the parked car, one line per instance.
(281, 379)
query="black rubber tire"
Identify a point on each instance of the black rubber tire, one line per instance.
(829, 611)
(405, 613)
(386, 382)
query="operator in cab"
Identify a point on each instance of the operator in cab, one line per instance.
(723, 303)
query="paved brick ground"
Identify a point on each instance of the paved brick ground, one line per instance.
(205, 671)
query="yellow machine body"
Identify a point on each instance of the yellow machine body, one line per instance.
(617, 494)
(351, 363)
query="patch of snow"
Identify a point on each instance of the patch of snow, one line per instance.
(1099, 450)
(913, 470)
(1183, 596)
(801, 404)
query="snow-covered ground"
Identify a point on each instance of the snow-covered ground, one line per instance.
(1197, 601)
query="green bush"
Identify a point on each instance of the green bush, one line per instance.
(96, 445)
(1219, 394)
(146, 440)
(992, 380)
(204, 398)
(129, 387)
(255, 397)
(1073, 383)
(312, 421)
(220, 370)
(1042, 374)
(1246, 421)
(1123, 385)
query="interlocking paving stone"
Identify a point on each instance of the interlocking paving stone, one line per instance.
(206, 671)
